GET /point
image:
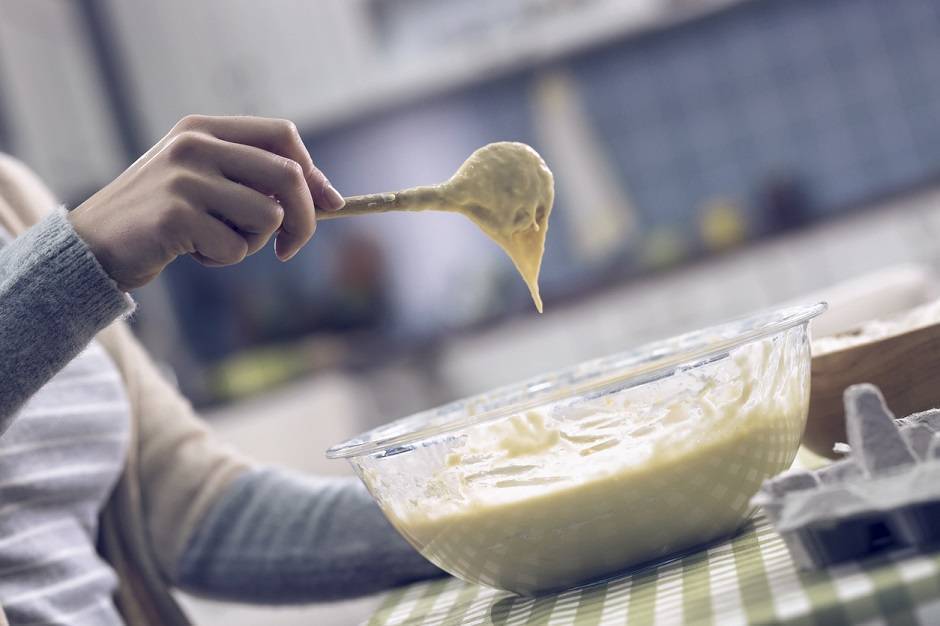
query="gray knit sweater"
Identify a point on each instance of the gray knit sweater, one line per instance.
(272, 536)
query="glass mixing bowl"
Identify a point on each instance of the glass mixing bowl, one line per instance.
(580, 474)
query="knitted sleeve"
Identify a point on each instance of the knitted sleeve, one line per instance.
(275, 537)
(54, 298)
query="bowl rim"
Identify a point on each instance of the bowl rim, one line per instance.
(639, 365)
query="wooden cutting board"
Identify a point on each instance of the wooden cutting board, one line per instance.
(905, 366)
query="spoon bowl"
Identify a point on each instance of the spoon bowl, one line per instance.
(505, 188)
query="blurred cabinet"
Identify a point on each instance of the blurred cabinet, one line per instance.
(415, 27)
(236, 56)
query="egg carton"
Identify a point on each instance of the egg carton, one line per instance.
(884, 496)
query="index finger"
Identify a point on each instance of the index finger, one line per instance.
(274, 135)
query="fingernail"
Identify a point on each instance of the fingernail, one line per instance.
(278, 252)
(334, 200)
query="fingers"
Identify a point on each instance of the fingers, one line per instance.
(268, 174)
(256, 216)
(216, 244)
(274, 135)
(323, 192)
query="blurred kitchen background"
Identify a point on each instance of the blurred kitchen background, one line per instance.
(711, 156)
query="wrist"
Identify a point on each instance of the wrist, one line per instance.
(86, 234)
(79, 279)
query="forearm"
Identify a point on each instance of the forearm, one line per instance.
(54, 298)
(279, 538)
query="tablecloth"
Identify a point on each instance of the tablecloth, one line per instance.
(749, 579)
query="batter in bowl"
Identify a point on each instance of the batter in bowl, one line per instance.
(673, 464)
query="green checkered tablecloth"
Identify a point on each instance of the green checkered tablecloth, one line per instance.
(747, 579)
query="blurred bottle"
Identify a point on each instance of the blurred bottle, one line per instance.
(360, 298)
(662, 247)
(605, 219)
(721, 224)
(784, 202)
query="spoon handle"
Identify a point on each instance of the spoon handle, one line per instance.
(417, 199)
(363, 205)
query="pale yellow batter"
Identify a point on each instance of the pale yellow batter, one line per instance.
(508, 191)
(569, 494)
(505, 188)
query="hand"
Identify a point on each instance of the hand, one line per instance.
(216, 188)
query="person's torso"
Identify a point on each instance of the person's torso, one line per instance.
(59, 461)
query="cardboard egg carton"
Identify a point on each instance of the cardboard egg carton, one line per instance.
(884, 496)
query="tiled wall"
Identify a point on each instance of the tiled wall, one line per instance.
(842, 95)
